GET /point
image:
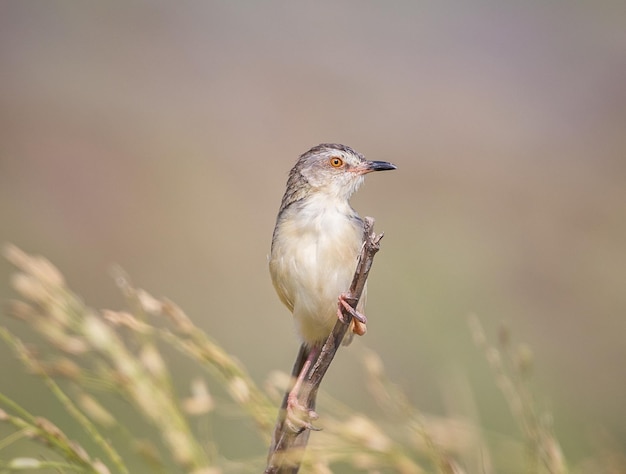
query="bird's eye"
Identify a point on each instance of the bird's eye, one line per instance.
(336, 162)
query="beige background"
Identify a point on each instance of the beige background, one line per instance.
(159, 135)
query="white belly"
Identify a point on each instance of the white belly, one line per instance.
(313, 259)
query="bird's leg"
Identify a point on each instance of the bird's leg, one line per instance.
(299, 416)
(360, 321)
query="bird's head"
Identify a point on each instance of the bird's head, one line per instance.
(335, 170)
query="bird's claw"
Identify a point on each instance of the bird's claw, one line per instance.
(299, 417)
(343, 302)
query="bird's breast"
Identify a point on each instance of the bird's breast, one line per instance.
(314, 255)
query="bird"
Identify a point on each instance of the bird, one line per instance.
(315, 247)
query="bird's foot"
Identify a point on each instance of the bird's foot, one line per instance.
(360, 321)
(299, 417)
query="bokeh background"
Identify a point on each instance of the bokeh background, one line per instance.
(158, 135)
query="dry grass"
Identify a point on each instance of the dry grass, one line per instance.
(89, 355)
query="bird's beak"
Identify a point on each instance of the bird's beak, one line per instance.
(370, 166)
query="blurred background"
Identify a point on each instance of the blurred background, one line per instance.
(159, 135)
